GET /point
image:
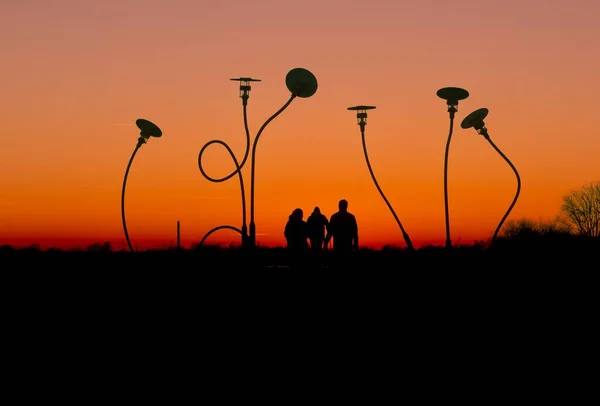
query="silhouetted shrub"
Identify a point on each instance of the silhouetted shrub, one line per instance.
(100, 247)
(390, 247)
(527, 228)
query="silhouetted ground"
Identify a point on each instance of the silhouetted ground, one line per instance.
(515, 296)
(507, 263)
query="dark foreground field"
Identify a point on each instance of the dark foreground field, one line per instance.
(506, 264)
(516, 297)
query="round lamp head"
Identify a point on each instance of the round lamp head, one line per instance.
(475, 119)
(361, 108)
(301, 82)
(147, 128)
(452, 94)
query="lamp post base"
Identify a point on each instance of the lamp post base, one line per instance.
(252, 237)
(244, 236)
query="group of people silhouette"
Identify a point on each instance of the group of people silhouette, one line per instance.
(315, 233)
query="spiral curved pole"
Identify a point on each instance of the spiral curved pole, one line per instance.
(487, 137)
(141, 141)
(217, 229)
(218, 180)
(252, 241)
(407, 240)
(448, 240)
(238, 167)
(238, 171)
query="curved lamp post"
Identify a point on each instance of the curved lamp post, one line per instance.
(452, 95)
(475, 120)
(147, 130)
(245, 88)
(301, 83)
(361, 115)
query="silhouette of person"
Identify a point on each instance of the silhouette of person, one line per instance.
(316, 225)
(344, 230)
(295, 232)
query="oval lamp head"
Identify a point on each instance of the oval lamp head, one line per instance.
(452, 94)
(147, 128)
(475, 119)
(361, 108)
(301, 82)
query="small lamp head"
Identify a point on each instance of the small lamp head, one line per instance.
(245, 86)
(475, 120)
(147, 128)
(452, 95)
(361, 113)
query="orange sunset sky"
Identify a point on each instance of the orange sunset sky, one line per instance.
(76, 74)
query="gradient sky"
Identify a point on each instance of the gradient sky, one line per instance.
(76, 74)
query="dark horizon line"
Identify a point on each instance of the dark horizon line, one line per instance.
(107, 246)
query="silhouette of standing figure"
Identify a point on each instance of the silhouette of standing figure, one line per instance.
(344, 230)
(295, 232)
(317, 225)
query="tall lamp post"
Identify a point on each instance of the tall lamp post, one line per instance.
(452, 95)
(361, 115)
(245, 88)
(475, 120)
(301, 83)
(147, 130)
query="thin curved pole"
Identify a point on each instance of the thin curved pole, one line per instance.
(238, 167)
(518, 187)
(253, 165)
(409, 243)
(141, 142)
(238, 170)
(217, 229)
(218, 180)
(448, 240)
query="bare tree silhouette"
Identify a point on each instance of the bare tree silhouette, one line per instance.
(581, 208)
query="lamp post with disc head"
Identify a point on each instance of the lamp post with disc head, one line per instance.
(361, 116)
(147, 130)
(475, 120)
(452, 95)
(301, 83)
